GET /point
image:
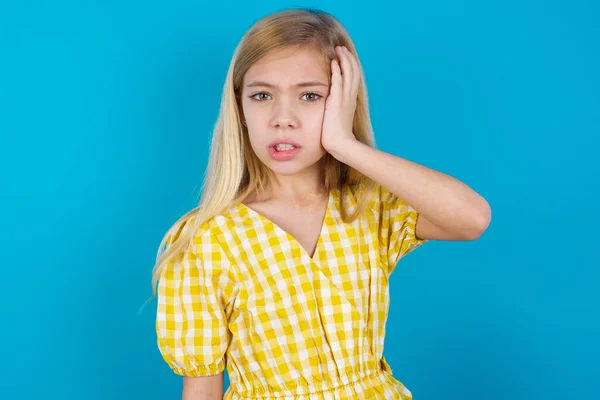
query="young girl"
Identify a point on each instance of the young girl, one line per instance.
(281, 273)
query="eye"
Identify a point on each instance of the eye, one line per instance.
(253, 97)
(313, 96)
(310, 96)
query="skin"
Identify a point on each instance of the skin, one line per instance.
(291, 105)
(448, 208)
(283, 110)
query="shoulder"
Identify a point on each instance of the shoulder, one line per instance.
(185, 227)
(195, 245)
(384, 200)
(199, 236)
(375, 197)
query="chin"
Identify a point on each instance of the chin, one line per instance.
(287, 168)
(291, 167)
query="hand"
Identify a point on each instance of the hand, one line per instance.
(341, 102)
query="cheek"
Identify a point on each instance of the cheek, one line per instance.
(255, 115)
(313, 121)
(257, 141)
(254, 122)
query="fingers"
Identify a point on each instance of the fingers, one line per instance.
(346, 70)
(356, 74)
(336, 80)
(350, 71)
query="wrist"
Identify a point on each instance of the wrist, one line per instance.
(345, 150)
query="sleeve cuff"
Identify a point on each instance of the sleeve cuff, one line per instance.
(201, 370)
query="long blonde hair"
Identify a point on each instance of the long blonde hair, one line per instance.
(233, 170)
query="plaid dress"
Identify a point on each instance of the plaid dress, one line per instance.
(247, 297)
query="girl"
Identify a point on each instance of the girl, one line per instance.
(281, 273)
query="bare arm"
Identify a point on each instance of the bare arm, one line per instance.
(203, 387)
(448, 208)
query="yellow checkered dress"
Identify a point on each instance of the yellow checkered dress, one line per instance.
(248, 297)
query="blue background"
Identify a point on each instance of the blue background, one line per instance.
(105, 120)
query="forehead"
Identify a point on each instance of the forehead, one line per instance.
(287, 66)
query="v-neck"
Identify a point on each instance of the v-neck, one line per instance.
(291, 238)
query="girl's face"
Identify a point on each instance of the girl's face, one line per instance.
(283, 101)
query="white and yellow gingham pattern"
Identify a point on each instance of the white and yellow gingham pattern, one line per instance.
(248, 297)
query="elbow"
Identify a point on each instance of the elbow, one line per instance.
(480, 221)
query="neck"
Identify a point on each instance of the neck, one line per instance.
(306, 185)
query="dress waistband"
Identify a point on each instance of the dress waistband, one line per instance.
(383, 371)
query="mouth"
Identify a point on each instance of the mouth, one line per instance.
(284, 145)
(283, 150)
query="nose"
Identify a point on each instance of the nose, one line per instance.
(284, 116)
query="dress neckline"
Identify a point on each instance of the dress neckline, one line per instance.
(290, 238)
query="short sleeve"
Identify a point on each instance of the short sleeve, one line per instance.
(397, 228)
(194, 305)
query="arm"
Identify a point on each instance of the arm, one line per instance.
(192, 315)
(203, 387)
(448, 208)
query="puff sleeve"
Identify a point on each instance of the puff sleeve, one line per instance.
(195, 300)
(397, 228)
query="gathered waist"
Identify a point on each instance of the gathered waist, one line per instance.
(372, 384)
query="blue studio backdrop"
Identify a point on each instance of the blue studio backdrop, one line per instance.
(106, 114)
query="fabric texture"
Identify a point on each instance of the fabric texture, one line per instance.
(247, 297)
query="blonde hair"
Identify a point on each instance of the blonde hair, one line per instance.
(233, 170)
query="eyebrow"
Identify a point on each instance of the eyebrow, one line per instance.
(269, 85)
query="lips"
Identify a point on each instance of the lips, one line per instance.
(283, 155)
(284, 141)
